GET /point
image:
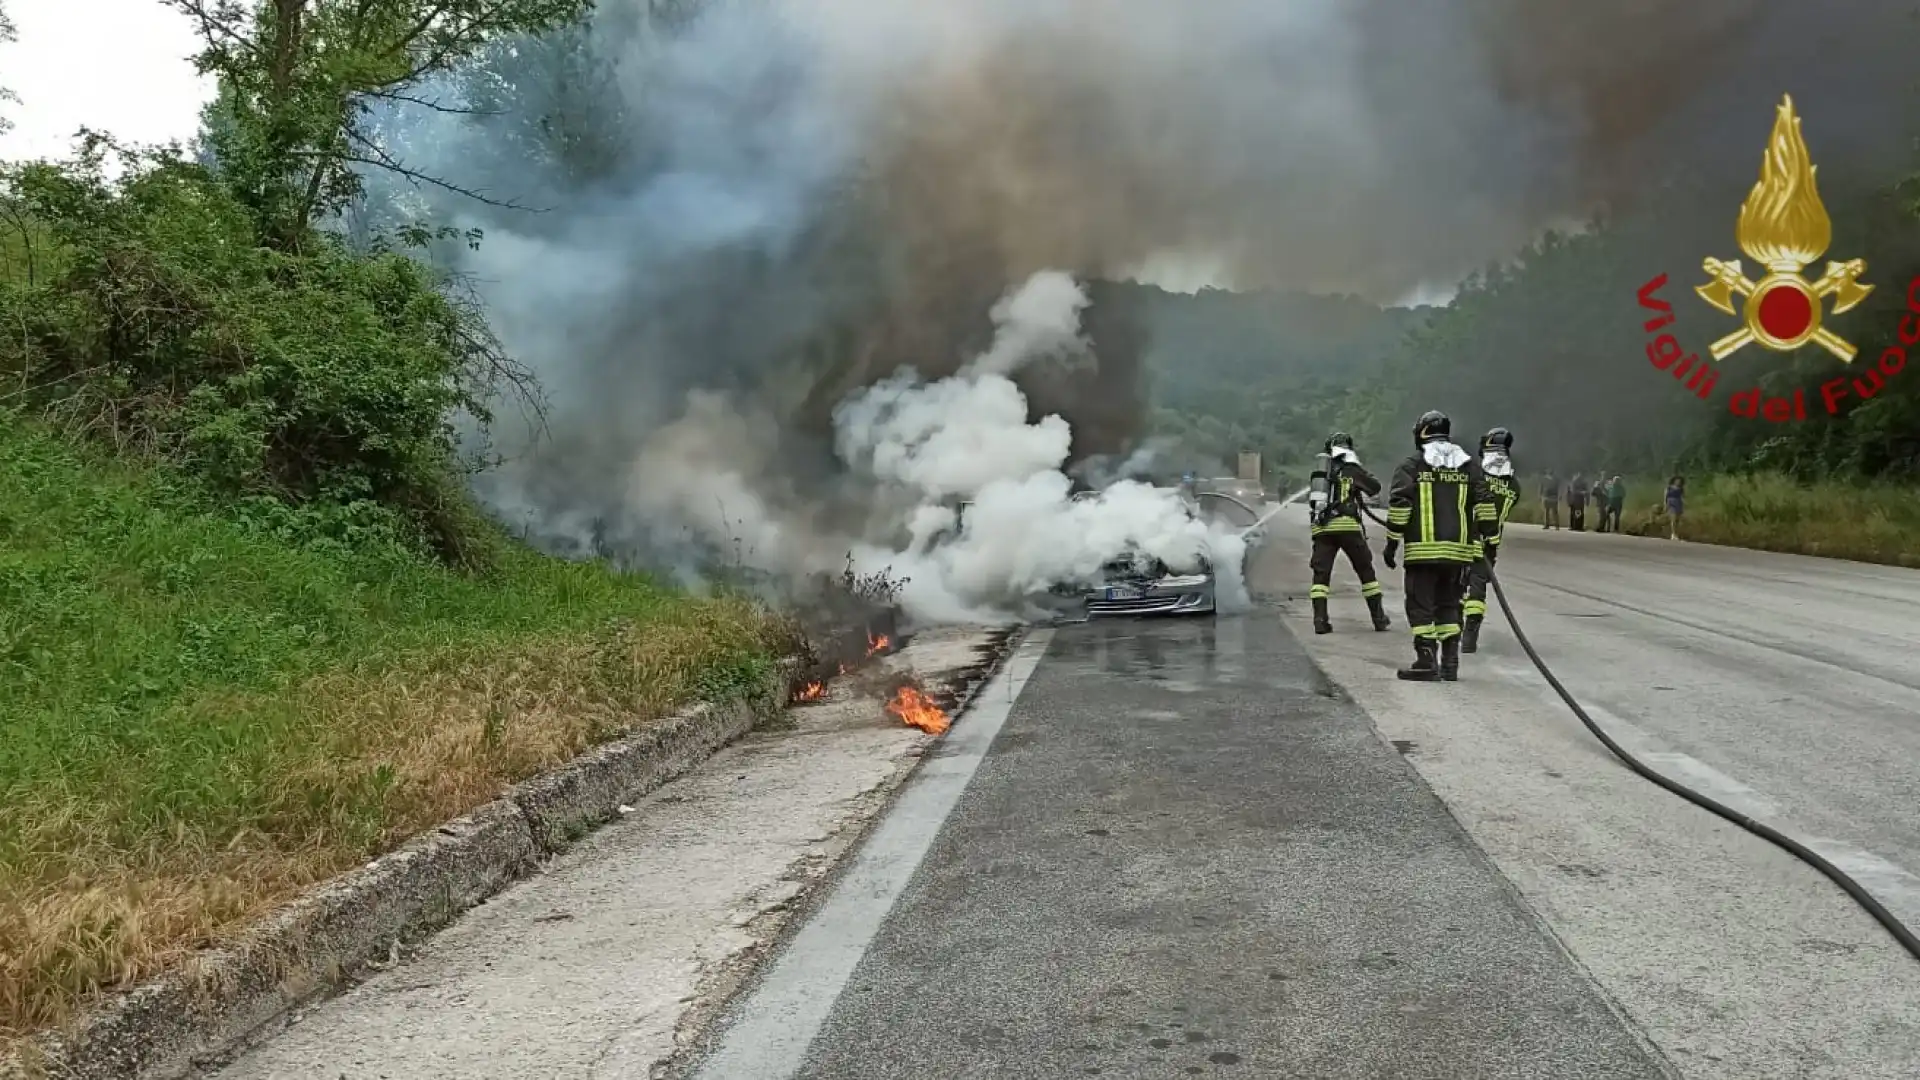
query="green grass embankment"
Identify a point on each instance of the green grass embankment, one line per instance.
(1878, 523)
(199, 721)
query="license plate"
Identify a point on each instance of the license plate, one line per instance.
(1121, 594)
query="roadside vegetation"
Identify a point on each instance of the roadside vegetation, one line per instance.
(1867, 522)
(201, 718)
(253, 631)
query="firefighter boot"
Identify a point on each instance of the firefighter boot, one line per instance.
(1321, 624)
(1450, 660)
(1470, 637)
(1423, 669)
(1378, 607)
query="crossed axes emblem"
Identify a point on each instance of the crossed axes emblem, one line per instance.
(1840, 281)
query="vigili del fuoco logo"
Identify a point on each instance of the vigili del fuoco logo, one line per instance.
(1783, 227)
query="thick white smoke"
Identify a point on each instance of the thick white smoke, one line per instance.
(752, 211)
(966, 437)
(968, 499)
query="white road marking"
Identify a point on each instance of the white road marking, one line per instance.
(780, 1019)
(1890, 883)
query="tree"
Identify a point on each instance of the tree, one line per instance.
(7, 36)
(299, 80)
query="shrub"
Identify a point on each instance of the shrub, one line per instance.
(325, 381)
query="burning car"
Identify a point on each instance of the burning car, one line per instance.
(1143, 585)
(1139, 584)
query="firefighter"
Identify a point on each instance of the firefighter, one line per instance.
(1337, 529)
(1439, 507)
(1496, 461)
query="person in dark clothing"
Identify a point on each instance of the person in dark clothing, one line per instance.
(1496, 461)
(1599, 499)
(1577, 503)
(1338, 529)
(1550, 500)
(1676, 505)
(1616, 502)
(1439, 507)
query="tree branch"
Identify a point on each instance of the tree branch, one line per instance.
(381, 159)
(213, 27)
(408, 99)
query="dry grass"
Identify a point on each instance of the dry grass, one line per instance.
(203, 722)
(1877, 523)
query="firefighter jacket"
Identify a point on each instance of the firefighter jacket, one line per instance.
(1505, 491)
(1348, 482)
(1503, 486)
(1440, 507)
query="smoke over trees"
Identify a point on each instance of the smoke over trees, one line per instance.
(782, 202)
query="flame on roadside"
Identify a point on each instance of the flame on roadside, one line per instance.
(877, 643)
(916, 709)
(813, 691)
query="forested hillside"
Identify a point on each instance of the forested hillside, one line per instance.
(1553, 346)
(1258, 371)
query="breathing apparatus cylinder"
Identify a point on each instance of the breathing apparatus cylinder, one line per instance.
(1319, 485)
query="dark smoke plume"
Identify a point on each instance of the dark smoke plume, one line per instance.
(783, 201)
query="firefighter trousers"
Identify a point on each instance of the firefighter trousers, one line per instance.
(1327, 546)
(1434, 592)
(1476, 605)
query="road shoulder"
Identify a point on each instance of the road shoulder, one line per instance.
(608, 961)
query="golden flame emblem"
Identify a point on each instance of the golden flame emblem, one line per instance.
(1784, 227)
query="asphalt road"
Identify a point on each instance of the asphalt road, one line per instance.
(1180, 851)
(1785, 687)
(1229, 847)
(1240, 848)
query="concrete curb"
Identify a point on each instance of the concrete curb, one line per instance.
(224, 998)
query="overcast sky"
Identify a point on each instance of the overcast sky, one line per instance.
(119, 66)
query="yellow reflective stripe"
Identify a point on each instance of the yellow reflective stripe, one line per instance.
(1460, 493)
(1423, 631)
(1439, 551)
(1443, 631)
(1371, 588)
(1399, 515)
(1426, 509)
(1475, 607)
(1337, 525)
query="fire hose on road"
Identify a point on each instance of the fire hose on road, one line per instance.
(1793, 847)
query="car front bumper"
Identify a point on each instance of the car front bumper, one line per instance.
(1170, 596)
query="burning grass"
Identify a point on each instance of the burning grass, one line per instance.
(915, 709)
(200, 720)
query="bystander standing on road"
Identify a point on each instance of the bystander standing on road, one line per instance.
(1676, 505)
(1550, 501)
(1616, 502)
(1577, 503)
(1598, 500)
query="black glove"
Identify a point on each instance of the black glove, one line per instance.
(1391, 553)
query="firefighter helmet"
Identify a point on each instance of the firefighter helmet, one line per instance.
(1497, 437)
(1433, 424)
(1338, 438)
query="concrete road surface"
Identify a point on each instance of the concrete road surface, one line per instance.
(1183, 853)
(1187, 854)
(1228, 847)
(1785, 687)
